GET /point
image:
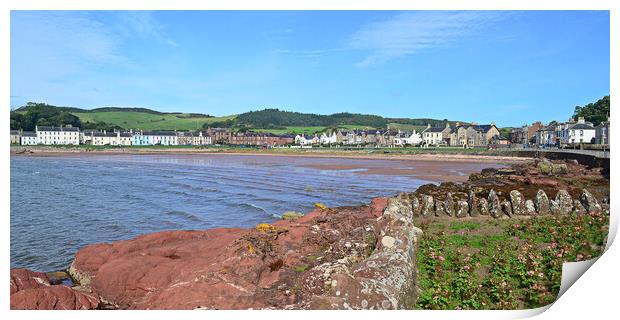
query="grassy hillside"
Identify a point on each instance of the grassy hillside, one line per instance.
(267, 120)
(406, 127)
(148, 121)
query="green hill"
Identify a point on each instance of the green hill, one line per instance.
(148, 120)
(32, 114)
(267, 120)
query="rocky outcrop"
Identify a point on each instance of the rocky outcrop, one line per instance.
(332, 258)
(33, 291)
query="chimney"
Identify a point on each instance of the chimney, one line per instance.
(428, 126)
(458, 124)
(581, 120)
(447, 124)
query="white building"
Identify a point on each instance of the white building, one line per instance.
(111, 138)
(28, 138)
(201, 139)
(329, 139)
(302, 140)
(579, 132)
(433, 136)
(403, 139)
(57, 135)
(546, 136)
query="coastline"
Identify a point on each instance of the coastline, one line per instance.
(331, 153)
(314, 255)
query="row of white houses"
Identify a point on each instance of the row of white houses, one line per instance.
(573, 132)
(73, 136)
(361, 137)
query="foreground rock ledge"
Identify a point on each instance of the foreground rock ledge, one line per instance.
(337, 258)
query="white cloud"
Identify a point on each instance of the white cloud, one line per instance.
(408, 33)
(145, 25)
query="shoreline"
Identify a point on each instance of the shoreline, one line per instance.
(303, 249)
(348, 154)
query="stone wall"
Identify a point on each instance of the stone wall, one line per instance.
(461, 205)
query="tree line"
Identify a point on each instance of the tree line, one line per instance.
(40, 114)
(596, 112)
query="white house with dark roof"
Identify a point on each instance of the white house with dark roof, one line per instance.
(111, 138)
(28, 138)
(434, 136)
(577, 132)
(155, 138)
(57, 135)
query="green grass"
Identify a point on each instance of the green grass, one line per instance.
(148, 121)
(406, 127)
(502, 264)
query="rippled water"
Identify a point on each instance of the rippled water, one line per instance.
(60, 204)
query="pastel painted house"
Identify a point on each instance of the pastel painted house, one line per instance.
(155, 138)
(111, 138)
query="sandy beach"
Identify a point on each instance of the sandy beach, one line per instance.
(330, 153)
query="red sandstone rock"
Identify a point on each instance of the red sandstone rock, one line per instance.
(283, 265)
(32, 291)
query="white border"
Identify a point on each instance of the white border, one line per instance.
(593, 294)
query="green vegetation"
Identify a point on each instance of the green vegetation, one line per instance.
(107, 118)
(149, 121)
(40, 114)
(267, 120)
(424, 121)
(594, 112)
(274, 118)
(406, 127)
(503, 264)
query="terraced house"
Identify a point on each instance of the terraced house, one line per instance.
(155, 138)
(262, 139)
(57, 135)
(111, 138)
(472, 135)
(28, 138)
(436, 136)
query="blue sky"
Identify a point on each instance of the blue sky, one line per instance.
(508, 67)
